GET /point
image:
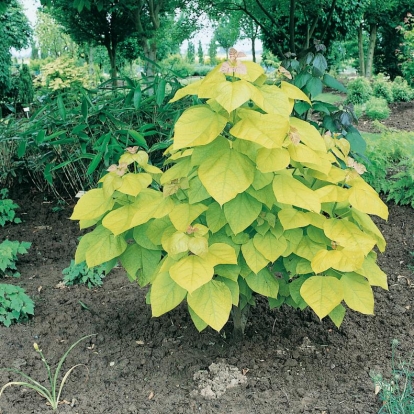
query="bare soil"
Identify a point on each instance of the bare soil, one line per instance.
(289, 362)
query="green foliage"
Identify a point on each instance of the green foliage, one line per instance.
(7, 209)
(309, 74)
(25, 86)
(15, 305)
(401, 91)
(252, 202)
(81, 274)
(396, 393)
(359, 90)
(15, 32)
(177, 65)
(8, 257)
(200, 53)
(382, 88)
(201, 70)
(51, 394)
(63, 73)
(390, 167)
(212, 52)
(75, 135)
(191, 52)
(405, 54)
(377, 108)
(227, 32)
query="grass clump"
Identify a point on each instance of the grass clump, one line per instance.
(396, 393)
(377, 108)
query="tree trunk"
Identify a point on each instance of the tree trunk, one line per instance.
(292, 27)
(254, 49)
(91, 68)
(239, 322)
(361, 50)
(112, 60)
(371, 50)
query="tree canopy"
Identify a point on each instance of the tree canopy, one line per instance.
(15, 32)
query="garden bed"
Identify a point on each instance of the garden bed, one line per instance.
(137, 364)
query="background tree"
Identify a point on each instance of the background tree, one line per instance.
(212, 51)
(250, 30)
(227, 32)
(200, 53)
(106, 24)
(15, 32)
(51, 38)
(191, 52)
(25, 86)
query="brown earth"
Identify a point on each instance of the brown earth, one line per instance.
(293, 362)
(402, 118)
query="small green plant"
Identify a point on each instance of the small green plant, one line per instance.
(51, 394)
(7, 209)
(397, 394)
(382, 88)
(359, 91)
(377, 108)
(81, 274)
(401, 90)
(8, 257)
(15, 305)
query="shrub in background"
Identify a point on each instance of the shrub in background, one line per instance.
(8, 256)
(253, 203)
(401, 90)
(7, 209)
(382, 88)
(15, 305)
(359, 90)
(377, 108)
(81, 274)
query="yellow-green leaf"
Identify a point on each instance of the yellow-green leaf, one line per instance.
(110, 183)
(119, 220)
(358, 293)
(263, 283)
(375, 276)
(288, 190)
(254, 259)
(233, 287)
(322, 293)
(309, 135)
(191, 89)
(175, 243)
(104, 248)
(215, 217)
(337, 315)
(198, 125)
(165, 294)
(343, 260)
(292, 218)
(348, 235)
(242, 211)
(198, 322)
(365, 221)
(268, 130)
(226, 175)
(293, 92)
(198, 246)
(275, 101)
(197, 191)
(92, 205)
(272, 160)
(212, 303)
(269, 246)
(308, 157)
(132, 184)
(365, 199)
(191, 272)
(332, 193)
(184, 214)
(221, 253)
(234, 94)
(307, 248)
(155, 208)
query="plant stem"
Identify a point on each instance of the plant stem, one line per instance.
(239, 322)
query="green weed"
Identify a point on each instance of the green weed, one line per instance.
(15, 305)
(8, 256)
(81, 274)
